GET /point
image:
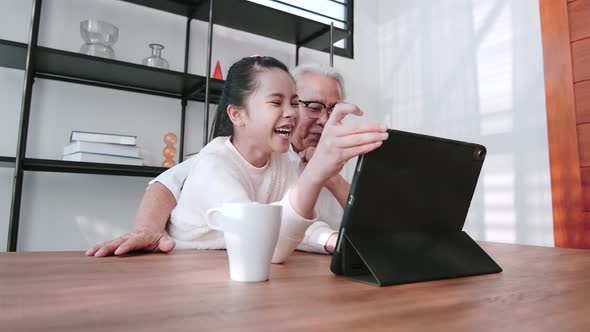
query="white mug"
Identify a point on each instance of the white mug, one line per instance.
(251, 231)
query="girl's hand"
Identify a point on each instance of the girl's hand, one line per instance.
(341, 142)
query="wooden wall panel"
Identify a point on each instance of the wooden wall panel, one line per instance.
(566, 183)
(582, 91)
(584, 144)
(586, 188)
(581, 59)
(579, 16)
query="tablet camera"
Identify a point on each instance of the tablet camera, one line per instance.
(479, 154)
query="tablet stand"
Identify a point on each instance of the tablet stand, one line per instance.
(396, 258)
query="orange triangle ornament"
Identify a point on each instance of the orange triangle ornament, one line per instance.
(217, 72)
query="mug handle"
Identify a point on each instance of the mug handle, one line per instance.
(210, 219)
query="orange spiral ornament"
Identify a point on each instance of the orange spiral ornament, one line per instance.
(169, 150)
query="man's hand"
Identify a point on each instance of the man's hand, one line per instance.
(153, 213)
(331, 243)
(144, 240)
(306, 154)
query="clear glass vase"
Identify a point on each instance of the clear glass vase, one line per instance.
(156, 60)
(99, 37)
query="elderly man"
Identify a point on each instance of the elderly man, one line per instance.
(320, 89)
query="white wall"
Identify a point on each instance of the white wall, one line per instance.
(73, 212)
(472, 70)
(463, 69)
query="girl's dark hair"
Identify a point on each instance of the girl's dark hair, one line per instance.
(240, 83)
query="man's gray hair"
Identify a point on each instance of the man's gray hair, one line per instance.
(315, 68)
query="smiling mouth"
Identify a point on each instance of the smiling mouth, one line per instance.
(314, 136)
(284, 131)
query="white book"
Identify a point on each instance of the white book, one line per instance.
(102, 148)
(102, 158)
(103, 138)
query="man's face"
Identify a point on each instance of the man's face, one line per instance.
(313, 87)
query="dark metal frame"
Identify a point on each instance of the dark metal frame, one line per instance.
(184, 102)
(21, 163)
(310, 11)
(104, 85)
(346, 52)
(17, 187)
(208, 75)
(349, 51)
(60, 166)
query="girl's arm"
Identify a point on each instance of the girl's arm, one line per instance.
(216, 180)
(337, 185)
(339, 143)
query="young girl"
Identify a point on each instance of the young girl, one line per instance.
(247, 160)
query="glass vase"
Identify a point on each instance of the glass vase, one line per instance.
(99, 37)
(156, 60)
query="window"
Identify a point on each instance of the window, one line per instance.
(326, 11)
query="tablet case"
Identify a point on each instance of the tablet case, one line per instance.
(405, 213)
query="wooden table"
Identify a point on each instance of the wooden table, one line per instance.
(541, 289)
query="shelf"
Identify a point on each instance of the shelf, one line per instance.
(61, 166)
(253, 18)
(84, 69)
(7, 162)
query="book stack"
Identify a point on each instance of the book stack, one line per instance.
(103, 148)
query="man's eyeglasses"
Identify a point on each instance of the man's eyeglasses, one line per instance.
(315, 108)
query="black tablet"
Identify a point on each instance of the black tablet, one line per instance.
(405, 213)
